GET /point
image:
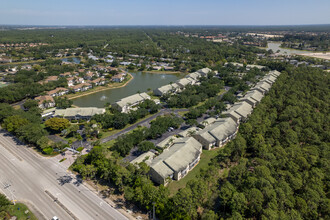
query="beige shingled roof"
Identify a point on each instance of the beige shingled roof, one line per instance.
(85, 112)
(178, 157)
(133, 99)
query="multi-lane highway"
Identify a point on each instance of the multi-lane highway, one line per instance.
(47, 185)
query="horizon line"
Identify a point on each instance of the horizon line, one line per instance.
(164, 25)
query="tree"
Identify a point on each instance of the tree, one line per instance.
(12, 123)
(4, 201)
(146, 146)
(63, 103)
(30, 133)
(57, 124)
(28, 104)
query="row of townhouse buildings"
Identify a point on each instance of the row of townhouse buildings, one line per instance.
(129, 103)
(179, 85)
(182, 152)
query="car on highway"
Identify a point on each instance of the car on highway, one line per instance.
(55, 218)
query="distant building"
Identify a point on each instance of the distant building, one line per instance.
(78, 113)
(126, 104)
(45, 101)
(118, 78)
(58, 92)
(176, 162)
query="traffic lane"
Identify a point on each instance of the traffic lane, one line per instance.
(47, 168)
(23, 188)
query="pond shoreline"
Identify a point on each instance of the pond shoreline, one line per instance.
(102, 89)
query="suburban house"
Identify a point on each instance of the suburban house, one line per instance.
(89, 75)
(126, 104)
(71, 81)
(98, 81)
(82, 87)
(252, 97)
(67, 74)
(118, 78)
(217, 134)
(239, 111)
(176, 162)
(45, 101)
(58, 92)
(78, 113)
(48, 79)
(167, 89)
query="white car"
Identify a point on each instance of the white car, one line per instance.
(55, 218)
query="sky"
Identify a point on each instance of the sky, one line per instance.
(165, 12)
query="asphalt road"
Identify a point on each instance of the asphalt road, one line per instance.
(145, 121)
(25, 176)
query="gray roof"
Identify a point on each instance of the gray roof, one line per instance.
(145, 157)
(167, 142)
(208, 121)
(241, 108)
(219, 130)
(184, 81)
(194, 75)
(275, 73)
(204, 71)
(189, 131)
(263, 86)
(167, 88)
(178, 157)
(84, 112)
(253, 96)
(136, 98)
(269, 78)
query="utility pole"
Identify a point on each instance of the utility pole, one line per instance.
(153, 211)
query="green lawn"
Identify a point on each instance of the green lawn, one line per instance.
(18, 210)
(206, 157)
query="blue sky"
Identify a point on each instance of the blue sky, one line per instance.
(168, 12)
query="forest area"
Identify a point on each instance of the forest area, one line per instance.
(276, 168)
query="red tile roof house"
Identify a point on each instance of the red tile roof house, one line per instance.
(51, 78)
(67, 74)
(81, 87)
(45, 101)
(89, 75)
(58, 92)
(71, 81)
(98, 81)
(118, 78)
(48, 79)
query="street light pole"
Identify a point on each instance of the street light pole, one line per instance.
(153, 211)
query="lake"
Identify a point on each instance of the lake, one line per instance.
(275, 46)
(75, 60)
(141, 82)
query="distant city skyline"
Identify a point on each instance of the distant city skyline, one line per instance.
(170, 12)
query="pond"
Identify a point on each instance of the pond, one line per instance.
(275, 46)
(141, 83)
(75, 60)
